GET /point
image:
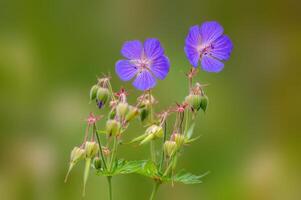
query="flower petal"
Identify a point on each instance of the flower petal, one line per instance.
(125, 70)
(222, 48)
(210, 31)
(160, 67)
(194, 37)
(153, 49)
(144, 81)
(132, 49)
(192, 54)
(211, 64)
(193, 40)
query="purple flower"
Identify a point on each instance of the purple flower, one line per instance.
(208, 44)
(145, 62)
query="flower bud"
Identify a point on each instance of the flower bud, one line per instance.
(91, 149)
(151, 133)
(194, 101)
(77, 154)
(113, 127)
(103, 95)
(204, 103)
(179, 139)
(170, 147)
(155, 130)
(132, 113)
(93, 92)
(97, 163)
(122, 109)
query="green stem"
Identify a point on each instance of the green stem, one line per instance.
(100, 148)
(170, 164)
(153, 151)
(155, 190)
(109, 178)
(164, 139)
(113, 153)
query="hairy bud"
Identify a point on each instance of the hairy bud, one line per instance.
(113, 127)
(132, 113)
(91, 149)
(103, 95)
(97, 163)
(155, 130)
(179, 139)
(204, 103)
(152, 133)
(170, 147)
(194, 101)
(122, 109)
(77, 154)
(93, 92)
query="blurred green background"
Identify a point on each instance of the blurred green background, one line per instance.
(52, 50)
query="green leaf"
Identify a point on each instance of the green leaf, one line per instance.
(192, 139)
(190, 131)
(127, 167)
(122, 167)
(148, 168)
(188, 178)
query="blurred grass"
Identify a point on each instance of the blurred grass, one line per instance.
(52, 51)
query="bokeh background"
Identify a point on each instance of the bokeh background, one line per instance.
(52, 50)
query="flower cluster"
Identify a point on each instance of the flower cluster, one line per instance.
(146, 62)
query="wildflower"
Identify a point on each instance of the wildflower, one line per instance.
(208, 44)
(146, 62)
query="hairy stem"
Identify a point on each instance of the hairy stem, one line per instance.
(155, 190)
(115, 144)
(100, 148)
(164, 139)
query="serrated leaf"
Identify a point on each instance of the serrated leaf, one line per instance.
(123, 167)
(148, 168)
(128, 167)
(190, 131)
(188, 178)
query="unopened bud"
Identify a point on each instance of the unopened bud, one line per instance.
(91, 149)
(113, 127)
(103, 95)
(93, 92)
(170, 147)
(151, 133)
(155, 130)
(77, 154)
(194, 101)
(204, 102)
(179, 139)
(97, 163)
(122, 109)
(132, 113)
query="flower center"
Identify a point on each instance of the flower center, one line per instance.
(205, 49)
(142, 64)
